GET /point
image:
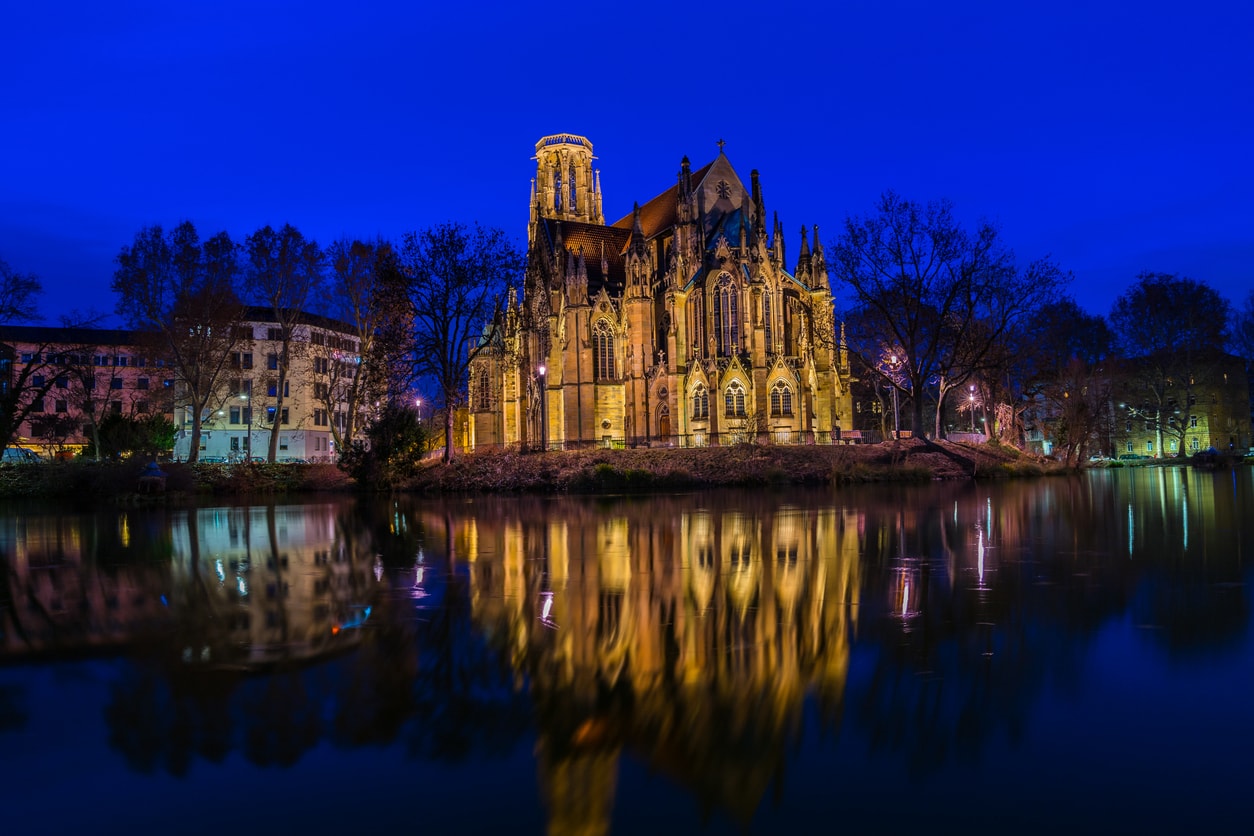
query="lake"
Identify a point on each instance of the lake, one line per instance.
(1031, 656)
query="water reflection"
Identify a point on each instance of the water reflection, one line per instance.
(710, 638)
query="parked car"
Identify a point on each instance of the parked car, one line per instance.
(19, 455)
(1131, 457)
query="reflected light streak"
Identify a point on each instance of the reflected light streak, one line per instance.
(979, 551)
(546, 610)
(242, 585)
(1131, 531)
(1185, 504)
(378, 567)
(221, 572)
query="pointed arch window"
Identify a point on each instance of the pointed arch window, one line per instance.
(727, 316)
(700, 402)
(734, 400)
(571, 176)
(766, 321)
(603, 350)
(485, 392)
(696, 310)
(557, 190)
(781, 400)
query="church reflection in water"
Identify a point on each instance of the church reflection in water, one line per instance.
(689, 636)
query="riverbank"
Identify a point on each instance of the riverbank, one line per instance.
(584, 471)
(590, 471)
(91, 481)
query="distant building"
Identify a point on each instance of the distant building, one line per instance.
(237, 425)
(679, 324)
(1208, 407)
(68, 380)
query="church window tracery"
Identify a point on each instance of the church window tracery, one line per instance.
(484, 393)
(557, 190)
(734, 400)
(700, 402)
(573, 202)
(766, 321)
(603, 350)
(727, 316)
(781, 400)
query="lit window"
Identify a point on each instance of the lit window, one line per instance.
(603, 350)
(734, 400)
(700, 402)
(781, 399)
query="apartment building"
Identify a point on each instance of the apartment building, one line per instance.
(324, 359)
(65, 381)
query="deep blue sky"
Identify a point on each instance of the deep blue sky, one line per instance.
(1117, 137)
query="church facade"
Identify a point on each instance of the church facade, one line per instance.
(679, 324)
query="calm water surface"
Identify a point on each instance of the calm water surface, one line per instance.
(1015, 657)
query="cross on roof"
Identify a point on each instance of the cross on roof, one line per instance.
(721, 143)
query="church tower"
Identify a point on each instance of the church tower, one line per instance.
(566, 187)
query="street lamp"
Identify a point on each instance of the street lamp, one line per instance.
(544, 424)
(971, 406)
(895, 365)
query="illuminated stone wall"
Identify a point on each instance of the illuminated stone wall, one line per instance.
(632, 321)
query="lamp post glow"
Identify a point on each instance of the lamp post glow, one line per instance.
(894, 364)
(544, 424)
(971, 406)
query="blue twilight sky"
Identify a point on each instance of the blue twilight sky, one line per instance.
(1118, 137)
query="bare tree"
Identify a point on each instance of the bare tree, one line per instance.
(1172, 331)
(185, 296)
(18, 292)
(455, 279)
(285, 275)
(375, 313)
(947, 298)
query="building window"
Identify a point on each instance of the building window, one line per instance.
(62, 383)
(62, 406)
(115, 383)
(275, 334)
(1194, 445)
(781, 399)
(272, 361)
(1129, 446)
(141, 407)
(1149, 446)
(485, 390)
(603, 350)
(734, 400)
(37, 380)
(115, 407)
(320, 365)
(571, 173)
(142, 384)
(1193, 421)
(766, 321)
(700, 402)
(235, 415)
(241, 360)
(696, 308)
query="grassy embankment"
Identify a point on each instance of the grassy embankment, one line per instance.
(588, 471)
(743, 465)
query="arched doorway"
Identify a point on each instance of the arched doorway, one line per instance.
(664, 423)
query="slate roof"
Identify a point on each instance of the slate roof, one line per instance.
(661, 212)
(593, 239)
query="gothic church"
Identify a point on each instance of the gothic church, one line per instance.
(679, 324)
